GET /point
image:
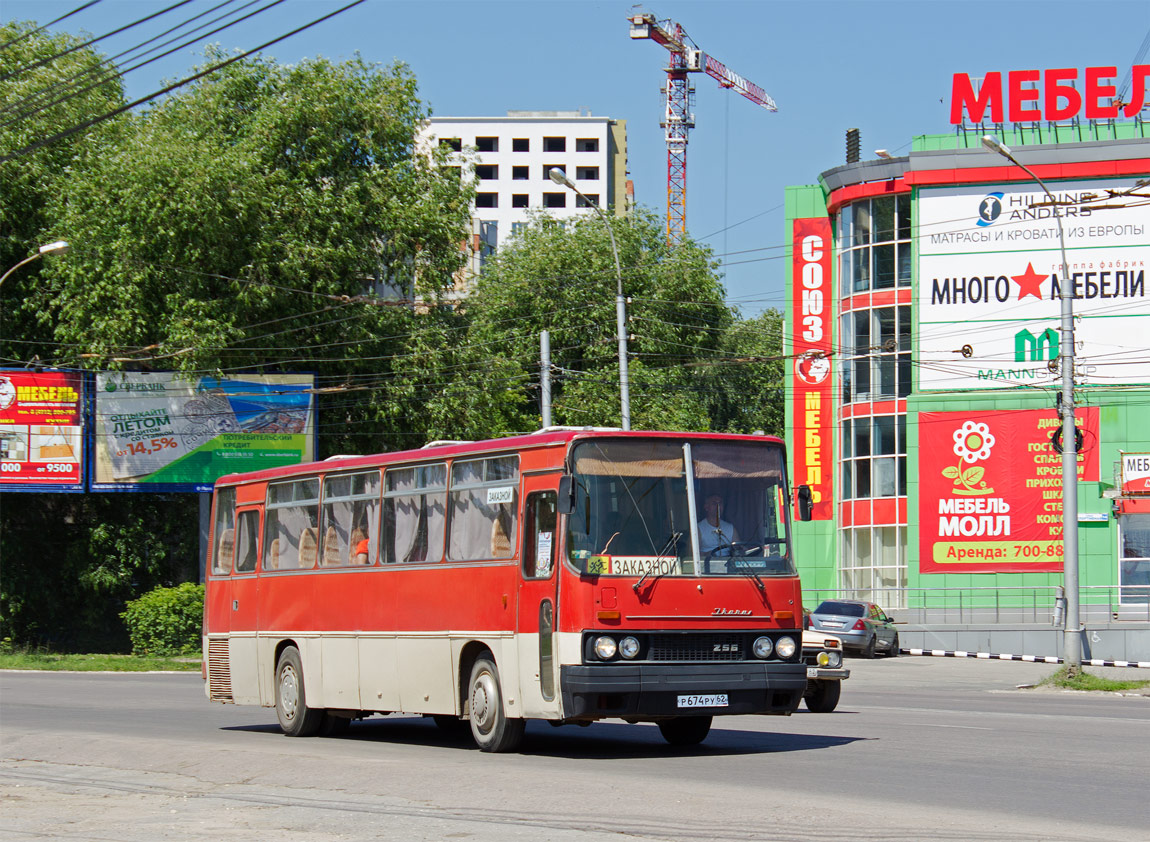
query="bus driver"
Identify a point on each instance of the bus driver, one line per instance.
(715, 534)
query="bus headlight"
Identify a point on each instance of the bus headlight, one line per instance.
(762, 647)
(834, 660)
(785, 648)
(605, 647)
(628, 647)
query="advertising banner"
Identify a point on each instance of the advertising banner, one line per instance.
(811, 331)
(990, 268)
(990, 489)
(41, 425)
(1136, 473)
(160, 430)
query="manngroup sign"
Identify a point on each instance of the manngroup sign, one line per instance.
(990, 279)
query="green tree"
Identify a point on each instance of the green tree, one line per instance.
(246, 222)
(747, 391)
(561, 278)
(35, 104)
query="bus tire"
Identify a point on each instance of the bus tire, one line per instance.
(685, 730)
(824, 696)
(295, 717)
(491, 728)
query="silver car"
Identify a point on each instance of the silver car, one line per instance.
(863, 626)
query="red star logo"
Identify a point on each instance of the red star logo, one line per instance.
(1029, 283)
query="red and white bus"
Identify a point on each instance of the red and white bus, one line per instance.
(567, 575)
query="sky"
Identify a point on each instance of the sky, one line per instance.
(882, 67)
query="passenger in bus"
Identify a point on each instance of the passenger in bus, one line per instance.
(715, 534)
(360, 546)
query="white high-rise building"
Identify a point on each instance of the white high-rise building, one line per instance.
(510, 158)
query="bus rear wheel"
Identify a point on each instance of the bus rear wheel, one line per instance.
(685, 730)
(295, 717)
(491, 728)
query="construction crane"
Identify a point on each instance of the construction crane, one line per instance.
(686, 58)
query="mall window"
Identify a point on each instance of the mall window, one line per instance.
(554, 200)
(487, 172)
(874, 565)
(1134, 562)
(554, 144)
(520, 173)
(520, 144)
(590, 201)
(587, 173)
(875, 244)
(876, 354)
(874, 457)
(487, 144)
(587, 144)
(518, 200)
(486, 200)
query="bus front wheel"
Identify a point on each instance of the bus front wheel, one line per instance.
(491, 728)
(295, 717)
(685, 730)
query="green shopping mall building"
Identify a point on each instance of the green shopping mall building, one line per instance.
(923, 328)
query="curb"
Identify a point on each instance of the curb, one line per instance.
(1038, 659)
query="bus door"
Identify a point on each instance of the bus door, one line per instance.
(537, 604)
(243, 608)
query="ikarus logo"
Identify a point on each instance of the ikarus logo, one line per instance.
(110, 386)
(989, 209)
(1029, 348)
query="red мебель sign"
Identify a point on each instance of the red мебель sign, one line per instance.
(990, 489)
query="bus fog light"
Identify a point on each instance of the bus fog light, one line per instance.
(823, 659)
(785, 648)
(605, 647)
(762, 647)
(628, 647)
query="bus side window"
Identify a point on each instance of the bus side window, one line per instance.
(249, 525)
(539, 537)
(225, 522)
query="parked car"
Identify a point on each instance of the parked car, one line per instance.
(823, 655)
(863, 627)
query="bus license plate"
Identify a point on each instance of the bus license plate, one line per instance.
(717, 700)
(812, 672)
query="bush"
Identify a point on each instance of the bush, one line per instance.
(166, 621)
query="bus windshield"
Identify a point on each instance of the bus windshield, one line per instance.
(679, 507)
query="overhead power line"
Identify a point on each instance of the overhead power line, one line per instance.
(32, 32)
(87, 124)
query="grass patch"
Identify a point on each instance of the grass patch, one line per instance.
(35, 660)
(1086, 681)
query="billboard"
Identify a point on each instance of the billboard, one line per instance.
(157, 431)
(990, 489)
(811, 346)
(41, 430)
(989, 280)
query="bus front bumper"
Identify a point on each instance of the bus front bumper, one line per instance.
(658, 690)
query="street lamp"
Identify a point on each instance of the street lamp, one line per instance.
(1072, 640)
(58, 247)
(559, 177)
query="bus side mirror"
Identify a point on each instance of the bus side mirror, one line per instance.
(805, 502)
(566, 501)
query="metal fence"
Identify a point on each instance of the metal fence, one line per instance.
(1097, 604)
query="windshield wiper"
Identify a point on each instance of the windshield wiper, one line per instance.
(671, 542)
(744, 568)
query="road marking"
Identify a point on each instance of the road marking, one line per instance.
(963, 727)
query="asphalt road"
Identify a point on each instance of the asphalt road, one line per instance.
(919, 749)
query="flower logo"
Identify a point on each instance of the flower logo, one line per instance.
(972, 443)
